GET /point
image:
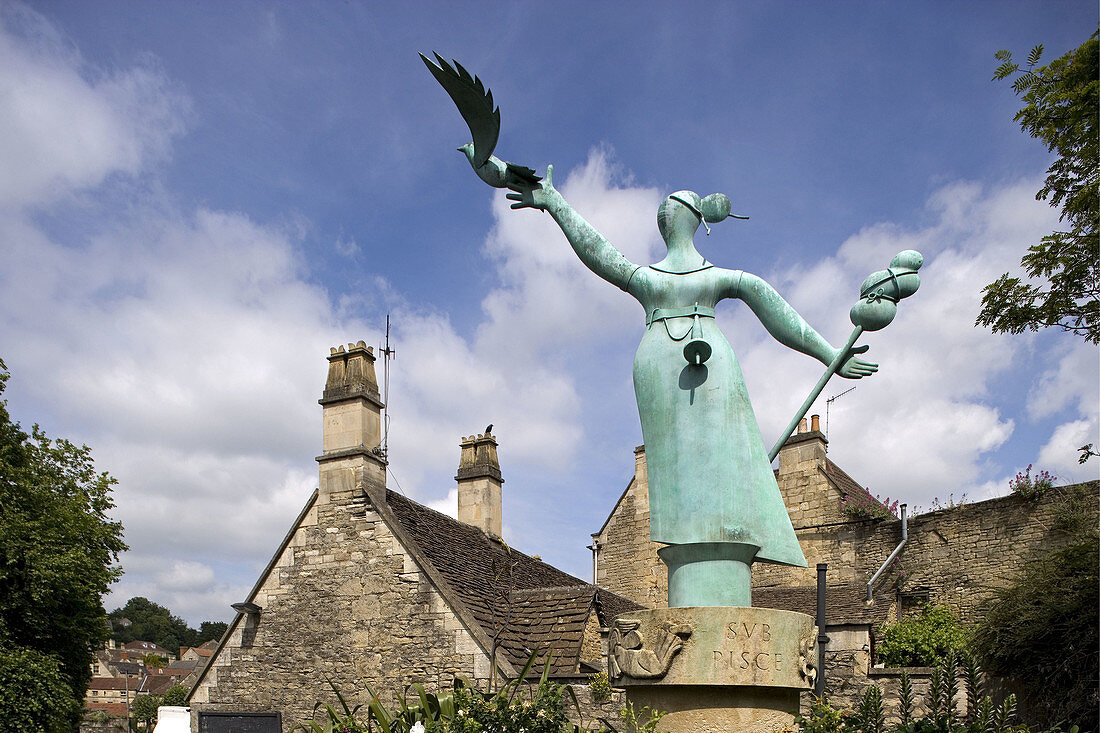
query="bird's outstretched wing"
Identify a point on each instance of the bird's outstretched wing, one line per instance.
(474, 102)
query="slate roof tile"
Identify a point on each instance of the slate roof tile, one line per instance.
(523, 602)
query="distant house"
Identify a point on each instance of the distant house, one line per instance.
(104, 690)
(139, 648)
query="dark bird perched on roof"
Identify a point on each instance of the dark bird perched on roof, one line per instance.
(489, 429)
(475, 103)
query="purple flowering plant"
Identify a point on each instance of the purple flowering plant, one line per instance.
(865, 506)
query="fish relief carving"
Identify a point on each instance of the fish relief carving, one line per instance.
(628, 654)
(807, 657)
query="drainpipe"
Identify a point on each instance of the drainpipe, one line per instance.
(595, 547)
(893, 555)
(822, 637)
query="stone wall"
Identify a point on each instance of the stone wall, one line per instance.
(342, 602)
(953, 556)
(627, 563)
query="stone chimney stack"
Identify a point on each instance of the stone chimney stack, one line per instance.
(479, 483)
(806, 447)
(352, 424)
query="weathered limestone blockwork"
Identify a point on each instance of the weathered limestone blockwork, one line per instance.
(953, 557)
(627, 561)
(342, 602)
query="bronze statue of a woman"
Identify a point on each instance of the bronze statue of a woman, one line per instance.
(713, 497)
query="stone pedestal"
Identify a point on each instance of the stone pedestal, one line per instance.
(724, 668)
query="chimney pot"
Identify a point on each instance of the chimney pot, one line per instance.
(802, 425)
(815, 423)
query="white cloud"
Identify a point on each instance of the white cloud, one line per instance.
(1060, 454)
(927, 422)
(64, 127)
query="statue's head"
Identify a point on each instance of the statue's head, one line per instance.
(684, 211)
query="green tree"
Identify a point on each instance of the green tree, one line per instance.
(34, 695)
(151, 622)
(1061, 109)
(58, 550)
(212, 630)
(174, 695)
(152, 660)
(144, 709)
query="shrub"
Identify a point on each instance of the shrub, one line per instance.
(942, 717)
(921, 641)
(1043, 627)
(600, 687)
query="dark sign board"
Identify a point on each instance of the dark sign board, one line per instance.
(240, 723)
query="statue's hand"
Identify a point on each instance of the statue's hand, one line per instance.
(532, 195)
(855, 368)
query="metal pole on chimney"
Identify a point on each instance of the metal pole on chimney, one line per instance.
(822, 638)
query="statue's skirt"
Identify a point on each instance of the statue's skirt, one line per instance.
(710, 479)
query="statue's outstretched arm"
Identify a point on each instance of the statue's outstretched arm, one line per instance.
(789, 328)
(598, 255)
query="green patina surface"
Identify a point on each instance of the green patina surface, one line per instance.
(713, 496)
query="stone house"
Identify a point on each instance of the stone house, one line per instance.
(370, 589)
(951, 557)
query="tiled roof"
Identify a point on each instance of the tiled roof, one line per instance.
(158, 684)
(111, 708)
(847, 485)
(523, 601)
(111, 683)
(844, 604)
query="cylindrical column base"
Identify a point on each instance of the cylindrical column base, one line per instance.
(734, 709)
(709, 573)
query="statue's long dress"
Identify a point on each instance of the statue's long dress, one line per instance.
(710, 479)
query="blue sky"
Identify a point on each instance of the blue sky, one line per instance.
(198, 199)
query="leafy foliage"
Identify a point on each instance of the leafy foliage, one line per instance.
(921, 641)
(1061, 109)
(57, 550)
(174, 695)
(514, 707)
(34, 696)
(600, 687)
(153, 622)
(1043, 627)
(144, 708)
(870, 713)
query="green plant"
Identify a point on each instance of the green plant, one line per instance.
(644, 720)
(34, 694)
(600, 687)
(920, 641)
(1061, 271)
(870, 717)
(174, 695)
(862, 505)
(905, 699)
(1031, 487)
(515, 706)
(822, 718)
(1043, 627)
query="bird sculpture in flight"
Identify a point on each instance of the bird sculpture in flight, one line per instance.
(475, 103)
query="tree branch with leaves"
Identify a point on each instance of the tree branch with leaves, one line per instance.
(1062, 284)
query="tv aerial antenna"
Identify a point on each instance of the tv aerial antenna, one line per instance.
(828, 404)
(387, 353)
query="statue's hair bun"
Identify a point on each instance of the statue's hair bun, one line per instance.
(716, 207)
